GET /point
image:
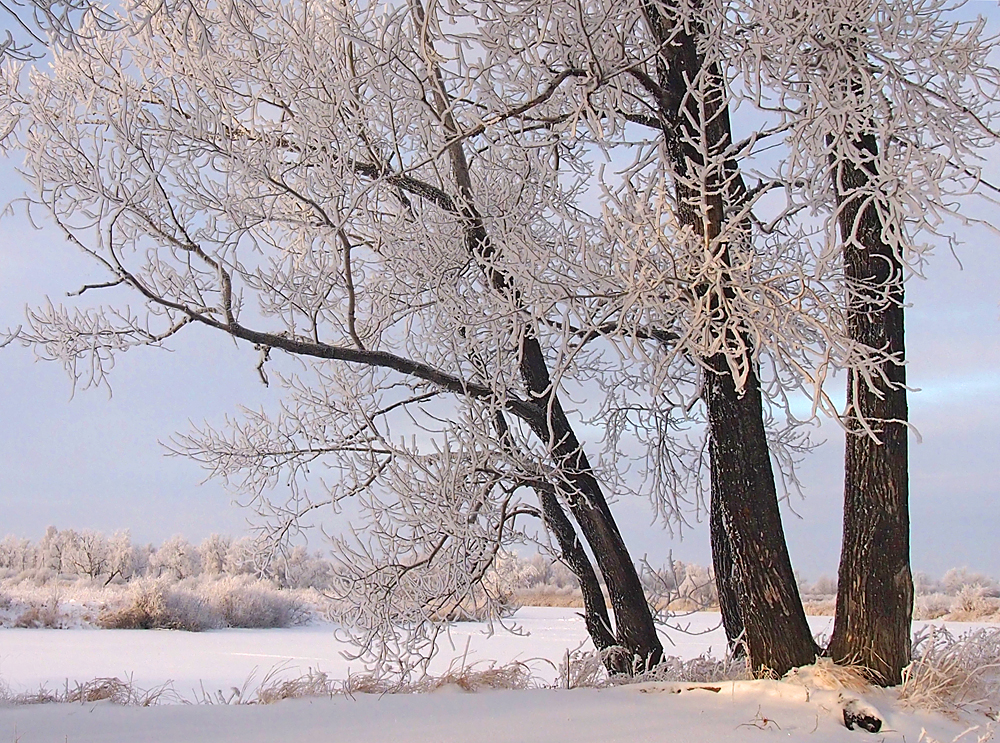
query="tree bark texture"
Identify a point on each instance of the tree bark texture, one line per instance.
(753, 569)
(777, 636)
(875, 586)
(725, 578)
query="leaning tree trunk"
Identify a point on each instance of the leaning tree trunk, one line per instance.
(573, 554)
(875, 587)
(753, 569)
(634, 627)
(776, 635)
(595, 610)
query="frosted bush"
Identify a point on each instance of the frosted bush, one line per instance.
(154, 604)
(972, 603)
(932, 606)
(957, 580)
(245, 602)
(44, 615)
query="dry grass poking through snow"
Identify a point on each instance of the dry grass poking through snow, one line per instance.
(274, 688)
(949, 674)
(114, 690)
(585, 669)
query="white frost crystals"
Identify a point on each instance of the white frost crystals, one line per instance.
(412, 201)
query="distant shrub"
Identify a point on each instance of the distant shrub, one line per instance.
(244, 602)
(957, 579)
(204, 604)
(44, 615)
(225, 582)
(932, 606)
(154, 604)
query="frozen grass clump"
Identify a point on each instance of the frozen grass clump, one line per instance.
(469, 678)
(274, 688)
(43, 615)
(114, 690)
(932, 606)
(586, 669)
(950, 674)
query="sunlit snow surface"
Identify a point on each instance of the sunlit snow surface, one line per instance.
(218, 660)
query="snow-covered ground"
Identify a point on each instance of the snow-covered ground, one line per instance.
(220, 659)
(200, 663)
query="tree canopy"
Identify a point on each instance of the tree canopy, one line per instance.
(519, 253)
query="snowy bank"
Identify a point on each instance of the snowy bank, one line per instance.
(664, 713)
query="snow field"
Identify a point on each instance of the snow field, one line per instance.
(655, 713)
(211, 665)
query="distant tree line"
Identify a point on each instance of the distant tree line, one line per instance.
(115, 559)
(66, 554)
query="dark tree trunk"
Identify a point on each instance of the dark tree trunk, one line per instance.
(725, 578)
(572, 552)
(875, 587)
(777, 636)
(635, 630)
(753, 570)
(595, 610)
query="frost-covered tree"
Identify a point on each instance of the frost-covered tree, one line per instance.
(177, 558)
(458, 217)
(888, 108)
(242, 557)
(52, 550)
(87, 553)
(123, 558)
(17, 554)
(366, 237)
(874, 116)
(212, 552)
